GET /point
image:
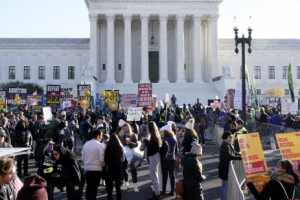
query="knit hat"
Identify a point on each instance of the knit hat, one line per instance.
(121, 122)
(166, 128)
(63, 113)
(33, 188)
(190, 124)
(2, 132)
(225, 135)
(196, 148)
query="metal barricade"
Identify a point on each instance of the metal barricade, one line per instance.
(268, 131)
(221, 124)
(210, 130)
(252, 126)
(218, 131)
(236, 178)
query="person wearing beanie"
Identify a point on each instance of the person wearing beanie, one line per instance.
(227, 153)
(240, 129)
(3, 136)
(190, 135)
(33, 188)
(192, 173)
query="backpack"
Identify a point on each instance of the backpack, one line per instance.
(164, 149)
(203, 121)
(82, 128)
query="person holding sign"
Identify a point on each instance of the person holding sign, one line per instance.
(227, 154)
(281, 186)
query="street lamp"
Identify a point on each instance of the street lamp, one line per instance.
(243, 41)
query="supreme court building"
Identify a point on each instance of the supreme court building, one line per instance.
(171, 43)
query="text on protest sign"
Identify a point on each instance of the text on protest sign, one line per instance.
(252, 154)
(134, 113)
(288, 107)
(53, 95)
(288, 144)
(81, 93)
(145, 94)
(17, 96)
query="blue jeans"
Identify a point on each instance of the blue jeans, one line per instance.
(224, 191)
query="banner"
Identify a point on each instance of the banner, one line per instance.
(114, 95)
(252, 154)
(66, 95)
(2, 99)
(288, 107)
(128, 100)
(81, 93)
(145, 94)
(290, 82)
(248, 83)
(14, 109)
(17, 96)
(134, 114)
(238, 99)
(38, 107)
(47, 114)
(53, 95)
(288, 144)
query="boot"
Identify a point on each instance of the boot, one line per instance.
(125, 186)
(135, 186)
(155, 197)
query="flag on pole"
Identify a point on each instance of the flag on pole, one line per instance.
(291, 84)
(248, 82)
(255, 94)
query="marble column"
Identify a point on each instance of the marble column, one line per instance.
(127, 48)
(214, 46)
(206, 52)
(94, 42)
(197, 49)
(144, 49)
(163, 49)
(180, 48)
(110, 77)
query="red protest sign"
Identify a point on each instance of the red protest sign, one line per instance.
(145, 94)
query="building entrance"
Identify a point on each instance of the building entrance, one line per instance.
(153, 66)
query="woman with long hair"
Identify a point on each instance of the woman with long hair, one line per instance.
(282, 184)
(114, 156)
(190, 135)
(153, 145)
(68, 172)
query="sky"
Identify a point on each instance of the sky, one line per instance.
(69, 18)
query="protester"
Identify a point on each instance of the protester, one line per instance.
(281, 186)
(85, 127)
(22, 138)
(190, 135)
(143, 129)
(72, 127)
(33, 188)
(4, 124)
(3, 136)
(93, 160)
(7, 173)
(101, 120)
(168, 162)
(153, 146)
(46, 165)
(68, 172)
(38, 135)
(227, 154)
(114, 156)
(192, 173)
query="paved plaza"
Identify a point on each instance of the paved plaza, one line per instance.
(211, 187)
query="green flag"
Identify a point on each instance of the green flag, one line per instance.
(290, 82)
(255, 93)
(248, 82)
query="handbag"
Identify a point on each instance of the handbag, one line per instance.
(179, 189)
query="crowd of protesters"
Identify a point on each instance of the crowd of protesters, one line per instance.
(164, 135)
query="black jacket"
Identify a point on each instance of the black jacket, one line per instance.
(187, 142)
(46, 162)
(273, 190)
(152, 146)
(11, 192)
(227, 154)
(192, 177)
(39, 131)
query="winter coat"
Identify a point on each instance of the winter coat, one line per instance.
(143, 131)
(22, 137)
(227, 154)
(192, 177)
(152, 146)
(273, 190)
(10, 190)
(46, 162)
(33, 189)
(39, 131)
(276, 120)
(187, 141)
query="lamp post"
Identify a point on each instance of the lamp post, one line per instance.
(243, 41)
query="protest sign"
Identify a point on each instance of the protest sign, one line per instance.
(81, 95)
(154, 100)
(17, 96)
(238, 99)
(38, 105)
(145, 94)
(53, 95)
(134, 113)
(288, 144)
(252, 154)
(66, 94)
(288, 107)
(47, 114)
(128, 100)
(14, 109)
(2, 99)
(114, 95)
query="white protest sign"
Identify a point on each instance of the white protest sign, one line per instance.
(288, 107)
(167, 98)
(134, 113)
(238, 99)
(47, 115)
(67, 104)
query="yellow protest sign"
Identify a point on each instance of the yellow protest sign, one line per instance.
(252, 154)
(288, 144)
(113, 95)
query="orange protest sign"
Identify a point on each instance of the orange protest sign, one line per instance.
(288, 144)
(252, 154)
(259, 182)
